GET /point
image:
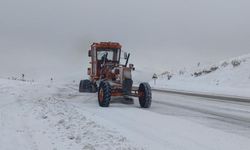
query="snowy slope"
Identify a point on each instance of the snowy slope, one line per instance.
(56, 116)
(229, 77)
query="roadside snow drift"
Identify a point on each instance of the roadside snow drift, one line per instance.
(229, 77)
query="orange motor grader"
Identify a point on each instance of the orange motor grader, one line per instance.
(109, 77)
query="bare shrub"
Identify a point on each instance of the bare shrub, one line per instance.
(224, 64)
(235, 63)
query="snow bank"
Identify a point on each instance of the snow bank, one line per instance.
(229, 77)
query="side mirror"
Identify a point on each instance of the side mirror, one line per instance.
(90, 54)
(125, 55)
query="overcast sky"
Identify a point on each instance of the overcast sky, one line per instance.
(50, 37)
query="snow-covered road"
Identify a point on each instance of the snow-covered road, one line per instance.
(57, 117)
(229, 116)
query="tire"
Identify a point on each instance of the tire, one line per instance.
(85, 86)
(127, 86)
(104, 94)
(145, 95)
(94, 88)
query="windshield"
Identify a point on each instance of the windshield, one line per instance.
(100, 54)
(112, 54)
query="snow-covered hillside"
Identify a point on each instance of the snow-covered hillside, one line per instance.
(229, 77)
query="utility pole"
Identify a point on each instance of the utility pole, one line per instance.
(23, 77)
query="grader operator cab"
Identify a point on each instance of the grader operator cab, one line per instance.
(109, 77)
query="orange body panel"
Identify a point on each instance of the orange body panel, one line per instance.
(106, 45)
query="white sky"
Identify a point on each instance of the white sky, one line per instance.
(51, 37)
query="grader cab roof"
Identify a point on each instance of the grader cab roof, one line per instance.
(112, 45)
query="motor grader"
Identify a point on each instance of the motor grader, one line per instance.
(110, 78)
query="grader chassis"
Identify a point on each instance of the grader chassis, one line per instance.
(110, 78)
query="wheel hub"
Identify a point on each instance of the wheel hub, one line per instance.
(100, 94)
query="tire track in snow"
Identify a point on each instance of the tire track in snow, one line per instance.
(230, 118)
(216, 97)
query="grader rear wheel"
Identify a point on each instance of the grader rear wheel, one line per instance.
(127, 86)
(87, 86)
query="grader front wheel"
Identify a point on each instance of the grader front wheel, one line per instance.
(145, 95)
(104, 94)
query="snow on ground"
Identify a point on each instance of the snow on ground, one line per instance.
(34, 117)
(229, 77)
(38, 116)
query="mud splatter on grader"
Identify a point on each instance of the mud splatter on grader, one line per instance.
(109, 77)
